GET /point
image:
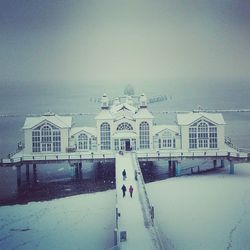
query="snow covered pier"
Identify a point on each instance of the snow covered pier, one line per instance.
(134, 215)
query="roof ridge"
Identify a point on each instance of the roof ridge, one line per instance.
(57, 116)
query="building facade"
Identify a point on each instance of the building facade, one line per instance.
(126, 125)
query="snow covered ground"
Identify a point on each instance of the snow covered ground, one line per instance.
(208, 212)
(77, 222)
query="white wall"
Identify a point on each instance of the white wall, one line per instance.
(184, 137)
(28, 141)
(221, 136)
(64, 139)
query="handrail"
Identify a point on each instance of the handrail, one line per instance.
(148, 215)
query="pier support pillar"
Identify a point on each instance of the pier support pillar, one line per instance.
(222, 164)
(231, 167)
(80, 170)
(27, 173)
(215, 163)
(34, 173)
(170, 168)
(177, 168)
(76, 171)
(18, 175)
(174, 163)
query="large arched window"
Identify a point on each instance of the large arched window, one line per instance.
(144, 135)
(203, 135)
(83, 141)
(46, 138)
(105, 136)
(124, 126)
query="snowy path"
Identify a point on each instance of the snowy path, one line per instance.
(131, 219)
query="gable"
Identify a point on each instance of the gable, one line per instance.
(43, 123)
(192, 117)
(55, 120)
(83, 130)
(210, 123)
(158, 129)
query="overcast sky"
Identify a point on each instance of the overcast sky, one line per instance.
(119, 40)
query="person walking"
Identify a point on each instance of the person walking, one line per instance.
(131, 191)
(124, 174)
(124, 189)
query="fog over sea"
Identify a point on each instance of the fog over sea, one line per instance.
(18, 99)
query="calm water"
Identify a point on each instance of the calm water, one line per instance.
(21, 99)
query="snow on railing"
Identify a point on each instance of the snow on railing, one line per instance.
(19, 158)
(228, 141)
(147, 208)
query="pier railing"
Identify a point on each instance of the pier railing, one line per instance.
(148, 209)
(20, 157)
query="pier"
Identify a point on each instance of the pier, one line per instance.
(135, 227)
(173, 159)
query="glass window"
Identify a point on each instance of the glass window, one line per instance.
(36, 147)
(105, 136)
(46, 138)
(203, 135)
(144, 135)
(167, 140)
(116, 144)
(124, 126)
(56, 140)
(159, 143)
(83, 141)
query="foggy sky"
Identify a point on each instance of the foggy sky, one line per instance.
(118, 40)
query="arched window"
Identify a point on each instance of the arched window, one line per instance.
(203, 135)
(105, 136)
(83, 141)
(144, 135)
(124, 126)
(46, 138)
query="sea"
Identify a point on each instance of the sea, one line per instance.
(19, 99)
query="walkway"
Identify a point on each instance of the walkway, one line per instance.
(131, 217)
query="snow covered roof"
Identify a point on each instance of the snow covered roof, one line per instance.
(104, 114)
(117, 112)
(123, 107)
(159, 128)
(186, 119)
(143, 113)
(88, 130)
(59, 121)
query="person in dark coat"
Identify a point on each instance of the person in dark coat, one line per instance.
(124, 174)
(124, 189)
(131, 191)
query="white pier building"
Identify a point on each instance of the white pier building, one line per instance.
(126, 124)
